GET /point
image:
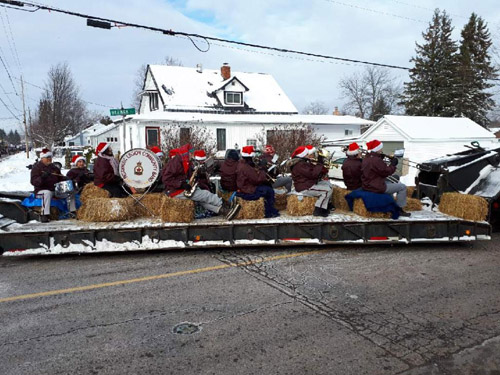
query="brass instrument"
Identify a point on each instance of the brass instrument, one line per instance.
(192, 182)
(323, 157)
(269, 166)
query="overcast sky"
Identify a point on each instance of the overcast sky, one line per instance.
(104, 63)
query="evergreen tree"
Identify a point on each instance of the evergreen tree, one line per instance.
(433, 82)
(475, 68)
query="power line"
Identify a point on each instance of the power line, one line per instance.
(7, 70)
(11, 40)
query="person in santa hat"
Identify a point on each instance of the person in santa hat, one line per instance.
(159, 153)
(308, 179)
(79, 174)
(200, 157)
(44, 176)
(280, 181)
(374, 172)
(176, 176)
(351, 168)
(252, 182)
(106, 173)
(227, 171)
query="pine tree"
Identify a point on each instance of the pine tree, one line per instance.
(475, 68)
(433, 82)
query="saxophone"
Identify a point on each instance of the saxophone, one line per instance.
(192, 182)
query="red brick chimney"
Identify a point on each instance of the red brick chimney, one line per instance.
(225, 71)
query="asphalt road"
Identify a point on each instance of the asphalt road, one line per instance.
(419, 309)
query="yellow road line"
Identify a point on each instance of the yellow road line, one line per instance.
(155, 277)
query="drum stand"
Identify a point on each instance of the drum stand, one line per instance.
(138, 200)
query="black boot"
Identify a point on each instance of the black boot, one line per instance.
(404, 213)
(320, 212)
(230, 212)
(44, 218)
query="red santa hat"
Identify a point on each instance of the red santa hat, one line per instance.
(101, 147)
(200, 155)
(172, 153)
(300, 152)
(75, 159)
(248, 152)
(45, 153)
(374, 146)
(311, 149)
(157, 151)
(269, 150)
(353, 149)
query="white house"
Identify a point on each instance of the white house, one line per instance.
(235, 107)
(108, 134)
(425, 138)
(91, 135)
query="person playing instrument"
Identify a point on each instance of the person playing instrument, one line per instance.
(281, 181)
(106, 173)
(159, 154)
(176, 177)
(351, 168)
(308, 179)
(227, 171)
(79, 174)
(374, 172)
(44, 176)
(251, 182)
(203, 178)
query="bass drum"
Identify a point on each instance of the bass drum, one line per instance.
(139, 168)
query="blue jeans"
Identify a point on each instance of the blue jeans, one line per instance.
(266, 192)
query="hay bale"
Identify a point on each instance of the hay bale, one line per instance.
(152, 201)
(177, 210)
(409, 191)
(413, 204)
(465, 206)
(280, 199)
(225, 195)
(105, 210)
(360, 209)
(338, 198)
(91, 191)
(296, 207)
(251, 209)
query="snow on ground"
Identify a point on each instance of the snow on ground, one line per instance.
(14, 176)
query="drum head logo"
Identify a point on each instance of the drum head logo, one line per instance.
(138, 170)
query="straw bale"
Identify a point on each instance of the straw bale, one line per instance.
(360, 209)
(296, 207)
(105, 210)
(91, 191)
(338, 198)
(251, 209)
(177, 210)
(225, 195)
(413, 204)
(409, 191)
(465, 206)
(152, 201)
(280, 199)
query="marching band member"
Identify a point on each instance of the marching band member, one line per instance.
(375, 171)
(106, 175)
(176, 176)
(203, 179)
(282, 181)
(251, 182)
(79, 174)
(227, 171)
(307, 179)
(159, 154)
(351, 168)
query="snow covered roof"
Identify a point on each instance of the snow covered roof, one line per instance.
(434, 128)
(249, 118)
(102, 130)
(183, 88)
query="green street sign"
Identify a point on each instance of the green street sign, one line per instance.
(122, 111)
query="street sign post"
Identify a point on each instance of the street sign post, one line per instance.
(122, 111)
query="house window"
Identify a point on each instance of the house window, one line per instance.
(116, 139)
(231, 97)
(152, 137)
(153, 101)
(348, 132)
(252, 142)
(184, 135)
(221, 139)
(71, 143)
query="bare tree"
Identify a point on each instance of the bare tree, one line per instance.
(285, 138)
(315, 108)
(197, 135)
(141, 75)
(60, 111)
(372, 94)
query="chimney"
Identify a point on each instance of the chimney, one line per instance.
(199, 68)
(336, 111)
(225, 71)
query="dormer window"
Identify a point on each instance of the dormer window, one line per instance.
(153, 101)
(232, 98)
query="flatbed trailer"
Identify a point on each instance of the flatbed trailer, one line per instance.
(76, 237)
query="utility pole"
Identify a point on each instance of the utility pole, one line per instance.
(24, 121)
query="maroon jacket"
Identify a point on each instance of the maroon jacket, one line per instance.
(306, 174)
(374, 171)
(173, 174)
(80, 177)
(104, 173)
(47, 182)
(228, 175)
(248, 177)
(351, 171)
